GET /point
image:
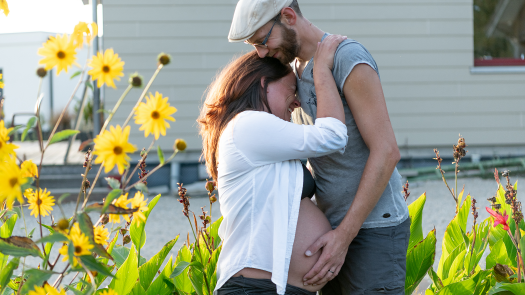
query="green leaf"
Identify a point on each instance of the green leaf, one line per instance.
(466, 287)
(62, 135)
(444, 268)
(415, 211)
(196, 275)
(75, 74)
(181, 267)
(15, 129)
(63, 197)
(29, 125)
(126, 275)
(53, 238)
(19, 247)
(211, 268)
(518, 289)
(137, 289)
(149, 269)
(435, 279)
(113, 183)
(7, 272)
(522, 247)
(162, 285)
(115, 193)
(92, 264)
(213, 230)
(121, 253)
(419, 261)
(498, 254)
(160, 154)
(6, 230)
(142, 188)
(136, 230)
(36, 277)
(182, 282)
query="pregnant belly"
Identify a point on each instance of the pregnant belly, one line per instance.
(311, 224)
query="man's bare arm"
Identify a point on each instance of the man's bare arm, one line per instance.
(365, 98)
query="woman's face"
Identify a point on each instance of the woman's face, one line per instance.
(281, 97)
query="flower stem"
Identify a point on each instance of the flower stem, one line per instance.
(137, 166)
(142, 95)
(151, 172)
(119, 102)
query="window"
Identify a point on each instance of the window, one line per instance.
(499, 32)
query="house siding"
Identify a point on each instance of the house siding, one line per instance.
(424, 50)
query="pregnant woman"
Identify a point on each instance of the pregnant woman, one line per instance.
(252, 149)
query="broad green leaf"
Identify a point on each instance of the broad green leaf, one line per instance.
(149, 269)
(460, 196)
(435, 279)
(500, 199)
(7, 272)
(142, 188)
(92, 264)
(518, 288)
(498, 254)
(419, 261)
(136, 230)
(162, 285)
(121, 253)
(198, 281)
(511, 250)
(480, 244)
(456, 267)
(115, 193)
(211, 268)
(15, 129)
(213, 230)
(453, 234)
(522, 247)
(62, 135)
(182, 281)
(137, 289)
(466, 287)
(29, 125)
(445, 264)
(86, 227)
(113, 182)
(6, 230)
(19, 247)
(160, 154)
(75, 74)
(415, 211)
(126, 275)
(181, 267)
(36, 277)
(53, 238)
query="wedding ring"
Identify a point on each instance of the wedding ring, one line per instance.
(330, 271)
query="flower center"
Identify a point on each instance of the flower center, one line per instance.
(105, 69)
(117, 150)
(39, 202)
(78, 249)
(13, 181)
(155, 115)
(61, 54)
(1, 144)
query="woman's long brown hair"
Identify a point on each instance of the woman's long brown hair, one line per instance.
(236, 88)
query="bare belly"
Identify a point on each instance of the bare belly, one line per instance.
(311, 225)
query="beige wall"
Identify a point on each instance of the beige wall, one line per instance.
(424, 49)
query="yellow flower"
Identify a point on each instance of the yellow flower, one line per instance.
(106, 67)
(121, 202)
(80, 29)
(1, 81)
(112, 148)
(3, 6)
(11, 180)
(40, 202)
(80, 243)
(29, 169)
(108, 292)
(47, 290)
(6, 149)
(58, 51)
(101, 235)
(138, 203)
(153, 115)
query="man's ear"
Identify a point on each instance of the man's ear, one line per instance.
(288, 16)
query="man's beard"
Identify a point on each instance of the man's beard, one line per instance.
(289, 47)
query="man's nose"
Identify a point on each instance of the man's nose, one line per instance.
(262, 52)
(296, 103)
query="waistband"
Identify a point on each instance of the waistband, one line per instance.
(257, 286)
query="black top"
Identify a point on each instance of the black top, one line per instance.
(308, 184)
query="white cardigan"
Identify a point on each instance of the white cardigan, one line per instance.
(260, 184)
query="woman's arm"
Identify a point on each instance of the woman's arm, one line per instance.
(329, 102)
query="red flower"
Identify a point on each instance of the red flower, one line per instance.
(498, 218)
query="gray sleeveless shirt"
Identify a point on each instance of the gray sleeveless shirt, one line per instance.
(337, 176)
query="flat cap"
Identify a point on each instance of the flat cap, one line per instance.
(250, 15)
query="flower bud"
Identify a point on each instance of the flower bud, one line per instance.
(105, 219)
(180, 144)
(123, 231)
(164, 58)
(135, 80)
(210, 186)
(41, 72)
(213, 199)
(126, 240)
(63, 224)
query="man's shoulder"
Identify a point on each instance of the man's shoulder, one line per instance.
(352, 49)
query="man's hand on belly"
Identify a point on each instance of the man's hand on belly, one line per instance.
(334, 245)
